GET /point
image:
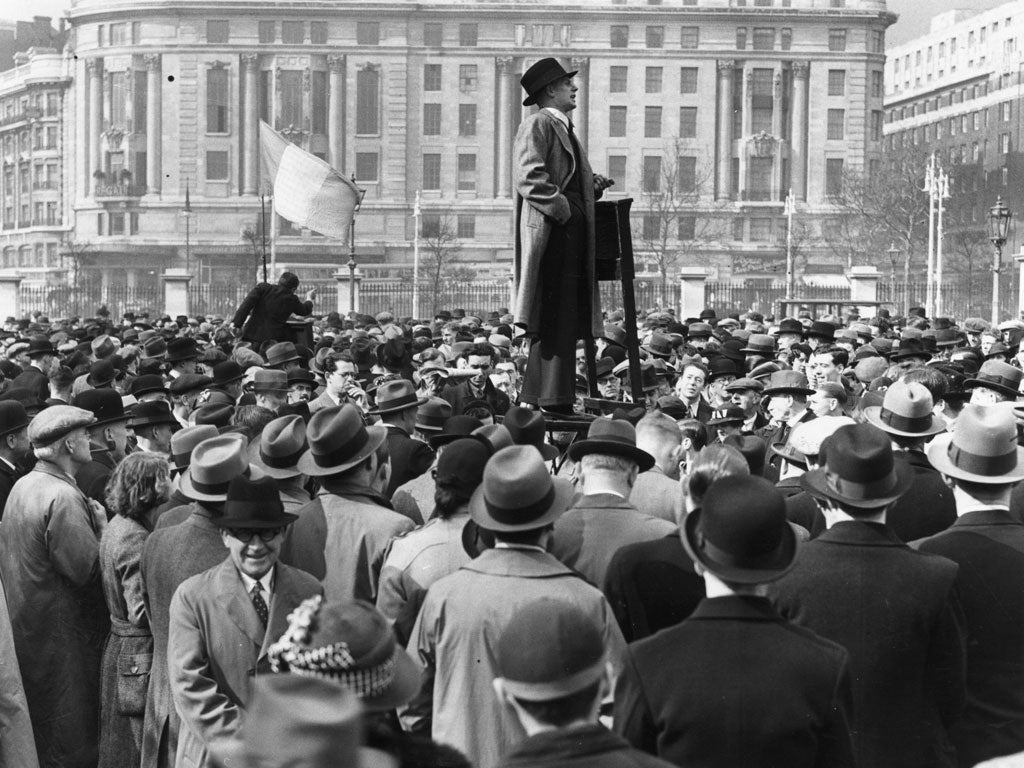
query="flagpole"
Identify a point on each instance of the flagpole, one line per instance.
(263, 229)
(416, 259)
(273, 241)
(187, 213)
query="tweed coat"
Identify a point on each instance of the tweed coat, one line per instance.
(988, 545)
(543, 163)
(454, 639)
(860, 586)
(171, 555)
(17, 747)
(268, 308)
(217, 645)
(49, 562)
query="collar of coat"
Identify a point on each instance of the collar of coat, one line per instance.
(566, 745)
(346, 489)
(520, 563)
(603, 501)
(859, 533)
(985, 517)
(746, 607)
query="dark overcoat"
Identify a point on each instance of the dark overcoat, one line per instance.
(263, 315)
(410, 458)
(927, 508)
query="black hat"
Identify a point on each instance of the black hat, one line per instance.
(455, 428)
(146, 383)
(253, 504)
(40, 345)
(13, 417)
(226, 372)
(180, 349)
(822, 330)
(105, 404)
(527, 428)
(541, 74)
(152, 413)
(614, 437)
(101, 373)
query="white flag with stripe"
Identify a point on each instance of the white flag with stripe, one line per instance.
(307, 191)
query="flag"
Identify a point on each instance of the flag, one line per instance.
(307, 191)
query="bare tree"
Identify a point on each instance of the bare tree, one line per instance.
(75, 256)
(441, 246)
(253, 235)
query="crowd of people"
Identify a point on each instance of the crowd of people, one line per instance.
(800, 544)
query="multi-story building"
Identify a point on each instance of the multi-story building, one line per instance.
(722, 105)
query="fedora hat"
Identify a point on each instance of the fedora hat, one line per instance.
(146, 383)
(699, 331)
(822, 330)
(906, 411)
(615, 334)
(184, 440)
(281, 353)
(732, 350)
(539, 75)
(154, 347)
(189, 382)
(730, 414)
(265, 380)
(999, 376)
(37, 345)
(787, 383)
(338, 441)
(860, 470)
(527, 428)
(494, 436)
(105, 404)
(910, 348)
(151, 413)
(13, 417)
(215, 463)
(518, 492)
(226, 372)
(983, 447)
(611, 437)
(660, 345)
(181, 349)
(253, 503)
(455, 428)
(760, 344)
(605, 367)
(791, 325)
(101, 374)
(740, 532)
(301, 376)
(433, 414)
(102, 347)
(281, 444)
(397, 395)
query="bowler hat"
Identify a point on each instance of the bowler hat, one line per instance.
(13, 417)
(720, 367)
(539, 75)
(518, 493)
(226, 372)
(432, 415)
(822, 330)
(983, 447)
(253, 503)
(397, 395)
(454, 428)
(281, 353)
(301, 376)
(265, 380)
(527, 428)
(611, 437)
(740, 533)
(105, 404)
(791, 325)
(56, 422)
(906, 410)
(910, 348)
(860, 471)
(999, 376)
(338, 441)
(146, 383)
(281, 445)
(787, 383)
(101, 374)
(181, 349)
(184, 440)
(215, 463)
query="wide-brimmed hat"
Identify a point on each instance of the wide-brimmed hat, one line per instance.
(999, 376)
(268, 380)
(659, 345)
(227, 372)
(146, 383)
(13, 417)
(215, 463)
(983, 447)
(527, 428)
(454, 428)
(787, 383)
(281, 445)
(860, 470)
(397, 395)
(338, 441)
(615, 334)
(184, 440)
(805, 438)
(433, 414)
(539, 75)
(181, 349)
(101, 374)
(760, 344)
(740, 532)
(152, 412)
(518, 492)
(38, 345)
(254, 503)
(822, 330)
(611, 437)
(906, 410)
(281, 353)
(105, 404)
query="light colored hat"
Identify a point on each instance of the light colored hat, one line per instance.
(53, 423)
(983, 447)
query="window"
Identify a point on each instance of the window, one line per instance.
(617, 170)
(655, 37)
(837, 82)
(465, 226)
(368, 101)
(651, 224)
(116, 219)
(737, 228)
(764, 39)
(876, 125)
(762, 99)
(293, 32)
(1004, 143)
(952, 126)
(687, 227)
(619, 36)
(652, 174)
(216, 165)
(976, 121)
(431, 77)
(689, 38)
(876, 85)
(687, 122)
(367, 33)
(431, 119)
(467, 77)
(318, 32)
(833, 176)
(616, 122)
(741, 38)
(1004, 111)
(467, 173)
(652, 122)
(761, 227)
(688, 80)
(432, 171)
(786, 38)
(467, 120)
(837, 39)
(291, 98)
(430, 225)
(760, 180)
(217, 31)
(268, 31)
(876, 40)
(467, 35)
(836, 123)
(118, 34)
(216, 101)
(618, 79)
(686, 174)
(433, 34)
(975, 152)
(318, 101)
(652, 80)
(366, 166)
(118, 93)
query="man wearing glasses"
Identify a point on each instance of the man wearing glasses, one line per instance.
(477, 363)
(340, 384)
(224, 620)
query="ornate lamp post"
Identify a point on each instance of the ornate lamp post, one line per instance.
(894, 255)
(998, 228)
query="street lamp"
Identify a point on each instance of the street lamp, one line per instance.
(894, 255)
(998, 227)
(352, 250)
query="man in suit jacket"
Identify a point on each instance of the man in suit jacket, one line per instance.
(222, 621)
(14, 446)
(737, 684)
(787, 394)
(108, 438)
(657, 491)
(480, 359)
(555, 277)
(895, 610)
(397, 406)
(987, 542)
(341, 384)
(263, 315)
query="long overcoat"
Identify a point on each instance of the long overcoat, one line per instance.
(17, 747)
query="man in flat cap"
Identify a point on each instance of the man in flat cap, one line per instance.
(49, 561)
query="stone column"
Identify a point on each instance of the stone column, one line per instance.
(336, 112)
(251, 120)
(10, 294)
(798, 131)
(94, 67)
(1019, 260)
(348, 296)
(503, 65)
(864, 287)
(746, 128)
(691, 290)
(579, 116)
(726, 70)
(153, 125)
(176, 291)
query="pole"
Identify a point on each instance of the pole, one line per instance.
(263, 233)
(997, 258)
(941, 193)
(929, 184)
(187, 213)
(416, 259)
(789, 245)
(906, 283)
(273, 240)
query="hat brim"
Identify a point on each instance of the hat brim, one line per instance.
(532, 98)
(168, 359)
(722, 422)
(278, 473)
(815, 483)
(789, 453)
(564, 494)
(972, 383)
(307, 464)
(283, 519)
(938, 456)
(582, 448)
(188, 489)
(787, 391)
(155, 422)
(438, 441)
(873, 415)
(783, 562)
(404, 685)
(378, 411)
